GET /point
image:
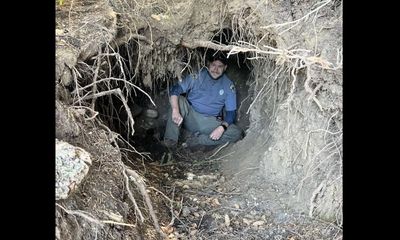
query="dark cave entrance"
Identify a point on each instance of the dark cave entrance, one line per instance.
(150, 120)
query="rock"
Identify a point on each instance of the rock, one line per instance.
(66, 124)
(151, 113)
(72, 165)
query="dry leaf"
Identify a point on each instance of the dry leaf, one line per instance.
(156, 17)
(227, 220)
(258, 223)
(113, 216)
(246, 221)
(215, 202)
(168, 229)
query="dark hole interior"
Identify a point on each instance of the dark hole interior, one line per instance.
(149, 131)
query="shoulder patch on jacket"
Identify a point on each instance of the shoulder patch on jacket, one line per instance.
(232, 87)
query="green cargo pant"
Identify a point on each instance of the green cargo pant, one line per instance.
(196, 122)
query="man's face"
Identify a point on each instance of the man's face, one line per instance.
(216, 69)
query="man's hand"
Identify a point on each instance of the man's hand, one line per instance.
(217, 133)
(177, 117)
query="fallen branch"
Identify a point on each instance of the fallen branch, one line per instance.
(155, 189)
(174, 216)
(92, 219)
(212, 160)
(219, 149)
(140, 184)
(81, 214)
(137, 209)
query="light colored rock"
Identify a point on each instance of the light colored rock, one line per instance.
(72, 165)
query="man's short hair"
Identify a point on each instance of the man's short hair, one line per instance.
(219, 56)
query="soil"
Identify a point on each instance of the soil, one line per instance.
(206, 203)
(283, 180)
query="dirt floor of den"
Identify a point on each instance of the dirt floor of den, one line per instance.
(196, 199)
